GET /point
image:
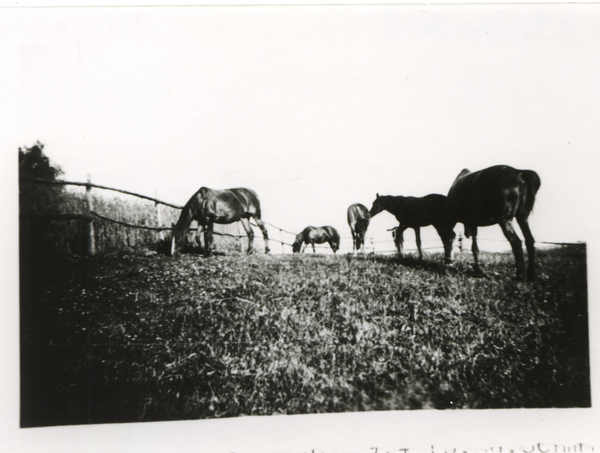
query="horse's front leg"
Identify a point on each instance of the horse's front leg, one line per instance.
(313, 246)
(249, 232)
(208, 237)
(198, 236)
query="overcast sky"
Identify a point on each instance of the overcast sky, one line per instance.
(318, 108)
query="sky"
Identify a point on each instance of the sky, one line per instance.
(316, 108)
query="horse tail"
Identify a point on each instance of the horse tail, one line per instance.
(533, 183)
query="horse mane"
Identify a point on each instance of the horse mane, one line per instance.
(187, 214)
(333, 232)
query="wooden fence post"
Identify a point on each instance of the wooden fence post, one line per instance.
(281, 237)
(91, 246)
(158, 216)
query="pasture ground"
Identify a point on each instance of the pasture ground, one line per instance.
(139, 336)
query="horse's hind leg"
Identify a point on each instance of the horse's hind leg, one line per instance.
(516, 246)
(265, 233)
(530, 244)
(249, 232)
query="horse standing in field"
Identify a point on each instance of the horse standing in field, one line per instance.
(209, 206)
(412, 212)
(317, 235)
(492, 196)
(358, 219)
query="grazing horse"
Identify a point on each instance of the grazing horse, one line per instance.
(317, 235)
(358, 219)
(492, 196)
(414, 213)
(209, 206)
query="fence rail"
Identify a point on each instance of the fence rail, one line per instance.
(89, 217)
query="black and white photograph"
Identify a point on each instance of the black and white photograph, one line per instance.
(270, 224)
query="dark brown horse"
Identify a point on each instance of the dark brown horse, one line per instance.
(492, 196)
(317, 235)
(358, 219)
(209, 206)
(414, 213)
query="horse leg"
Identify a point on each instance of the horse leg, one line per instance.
(418, 237)
(516, 245)
(249, 232)
(530, 244)
(475, 250)
(208, 237)
(447, 236)
(400, 239)
(313, 246)
(265, 233)
(354, 241)
(198, 236)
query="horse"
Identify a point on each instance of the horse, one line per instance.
(413, 212)
(317, 235)
(209, 206)
(358, 219)
(495, 195)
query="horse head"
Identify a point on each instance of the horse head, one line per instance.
(377, 206)
(179, 234)
(297, 245)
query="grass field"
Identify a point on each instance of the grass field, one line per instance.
(139, 336)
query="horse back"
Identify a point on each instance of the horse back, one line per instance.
(227, 205)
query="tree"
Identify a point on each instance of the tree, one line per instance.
(33, 163)
(35, 198)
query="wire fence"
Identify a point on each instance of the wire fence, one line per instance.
(370, 243)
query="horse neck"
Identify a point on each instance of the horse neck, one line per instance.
(393, 205)
(185, 220)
